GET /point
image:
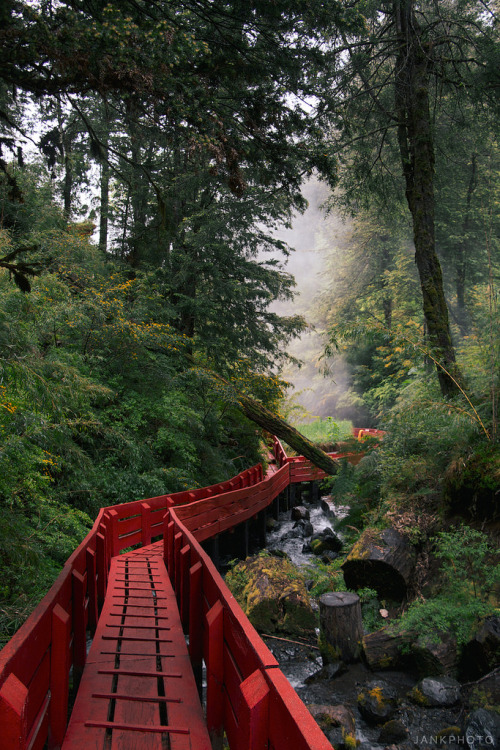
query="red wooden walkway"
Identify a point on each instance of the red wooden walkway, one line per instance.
(137, 686)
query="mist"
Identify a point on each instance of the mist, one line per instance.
(313, 393)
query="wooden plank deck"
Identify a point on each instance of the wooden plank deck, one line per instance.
(138, 688)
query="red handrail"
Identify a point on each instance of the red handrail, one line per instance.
(41, 665)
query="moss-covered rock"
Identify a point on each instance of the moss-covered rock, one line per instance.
(273, 595)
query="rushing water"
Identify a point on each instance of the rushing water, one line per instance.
(300, 662)
(280, 539)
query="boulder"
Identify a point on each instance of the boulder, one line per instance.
(328, 506)
(435, 656)
(336, 716)
(482, 729)
(325, 540)
(377, 702)
(392, 732)
(482, 653)
(304, 527)
(436, 692)
(273, 595)
(300, 513)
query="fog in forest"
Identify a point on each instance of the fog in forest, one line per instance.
(312, 237)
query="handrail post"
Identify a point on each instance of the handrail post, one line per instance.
(184, 565)
(215, 674)
(79, 584)
(254, 712)
(115, 539)
(13, 713)
(196, 621)
(59, 676)
(145, 524)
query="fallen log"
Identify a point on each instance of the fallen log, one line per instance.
(277, 426)
(383, 560)
(385, 649)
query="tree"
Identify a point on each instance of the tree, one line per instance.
(386, 83)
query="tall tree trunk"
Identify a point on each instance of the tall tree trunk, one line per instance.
(461, 255)
(417, 159)
(104, 202)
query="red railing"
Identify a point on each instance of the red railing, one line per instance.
(41, 665)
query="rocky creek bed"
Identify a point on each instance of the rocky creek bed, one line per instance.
(359, 706)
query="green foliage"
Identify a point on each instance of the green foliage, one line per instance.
(326, 432)
(102, 400)
(470, 576)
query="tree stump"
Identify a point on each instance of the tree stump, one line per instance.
(382, 560)
(341, 626)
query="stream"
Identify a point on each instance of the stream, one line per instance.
(300, 663)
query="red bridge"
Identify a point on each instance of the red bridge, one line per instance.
(140, 684)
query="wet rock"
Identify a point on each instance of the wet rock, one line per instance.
(482, 653)
(292, 534)
(327, 672)
(450, 736)
(325, 540)
(300, 513)
(328, 507)
(392, 732)
(436, 692)
(272, 524)
(336, 716)
(377, 702)
(435, 656)
(305, 528)
(273, 595)
(482, 729)
(329, 556)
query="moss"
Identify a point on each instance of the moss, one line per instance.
(272, 594)
(378, 695)
(329, 653)
(349, 740)
(418, 697)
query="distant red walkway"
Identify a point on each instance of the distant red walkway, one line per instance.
(138, 687)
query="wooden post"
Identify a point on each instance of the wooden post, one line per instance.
(169, 544)
(93, 612)
(13, 713)
(263, 528)
(341, 626)
(215, 674)
(292, 496)
(315, 492)
(59, 676)
(115, 540)
(246, 545)
(79, 623)
(214, 554)
(102, 570)
(177, 565)
(185, 563)
(276, 508)
(145, 524)
(254, 713)
(196, 622)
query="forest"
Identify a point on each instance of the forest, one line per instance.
(150, 154)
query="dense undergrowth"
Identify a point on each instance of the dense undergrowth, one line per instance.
(435, 477)
(102, 399)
